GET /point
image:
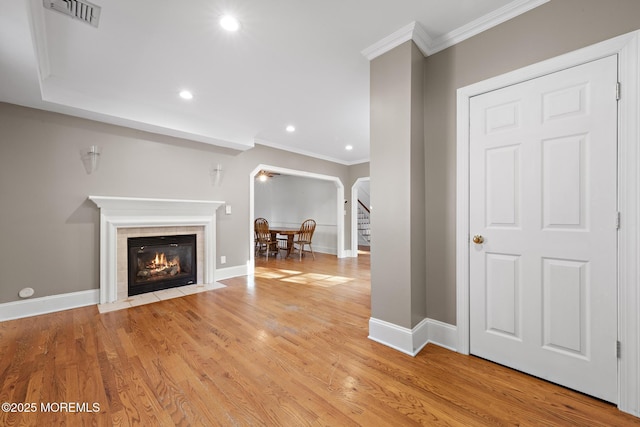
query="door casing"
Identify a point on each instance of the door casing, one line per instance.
(627, 47)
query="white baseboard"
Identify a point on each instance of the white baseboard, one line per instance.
(411, 341)
(230, 272)
(408, 341)
(322, 250)
(33, 307)
(443, 334)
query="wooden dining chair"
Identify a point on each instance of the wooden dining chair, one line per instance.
(263, 237)
(304, 237)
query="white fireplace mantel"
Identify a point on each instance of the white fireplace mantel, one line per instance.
(127, 212)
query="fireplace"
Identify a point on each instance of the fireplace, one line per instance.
(134, 217)
(160, 262)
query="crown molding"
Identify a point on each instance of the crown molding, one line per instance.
(484, 23)
(266, 143)
(428, 45)
(412, 31)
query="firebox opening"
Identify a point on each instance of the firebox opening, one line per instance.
(161, 262)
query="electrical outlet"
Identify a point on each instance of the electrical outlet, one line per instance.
(223, 259)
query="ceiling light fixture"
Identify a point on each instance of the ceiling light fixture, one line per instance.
(229, 23)
(185, 94)
(348, 147)
(264, 175)
(291, 128)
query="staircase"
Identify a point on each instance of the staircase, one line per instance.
(364, 230)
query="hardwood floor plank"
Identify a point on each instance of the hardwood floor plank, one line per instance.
(287, 346)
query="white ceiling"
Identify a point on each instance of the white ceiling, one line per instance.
(292, 62)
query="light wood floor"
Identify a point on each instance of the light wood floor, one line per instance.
(287, 347)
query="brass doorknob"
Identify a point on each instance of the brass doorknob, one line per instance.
(478, 240)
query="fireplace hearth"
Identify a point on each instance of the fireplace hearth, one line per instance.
(160, 262)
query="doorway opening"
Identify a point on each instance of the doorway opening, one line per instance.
(339, 204)
(360, 216)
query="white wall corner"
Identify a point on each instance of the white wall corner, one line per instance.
(251, 267)
(49, 304)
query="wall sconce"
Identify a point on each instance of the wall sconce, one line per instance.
(90, 157)
(216, 173)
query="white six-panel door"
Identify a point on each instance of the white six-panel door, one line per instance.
(543, 203)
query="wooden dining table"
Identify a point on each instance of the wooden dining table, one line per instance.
(285, 231)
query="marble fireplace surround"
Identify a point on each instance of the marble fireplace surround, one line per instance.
(135, 213)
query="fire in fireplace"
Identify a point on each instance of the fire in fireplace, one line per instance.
(161, 262)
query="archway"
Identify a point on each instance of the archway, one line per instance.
(292, 172)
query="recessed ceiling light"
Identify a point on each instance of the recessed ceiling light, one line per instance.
(291, 128)
(348, 147)
(185, 94)
(229, 23)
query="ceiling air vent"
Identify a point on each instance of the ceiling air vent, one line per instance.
(78, 9)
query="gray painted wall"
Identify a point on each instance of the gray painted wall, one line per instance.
(417, 185)
(49, 230)
(397, 187)
(557, 27)
(360, 170)
(390, 80)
